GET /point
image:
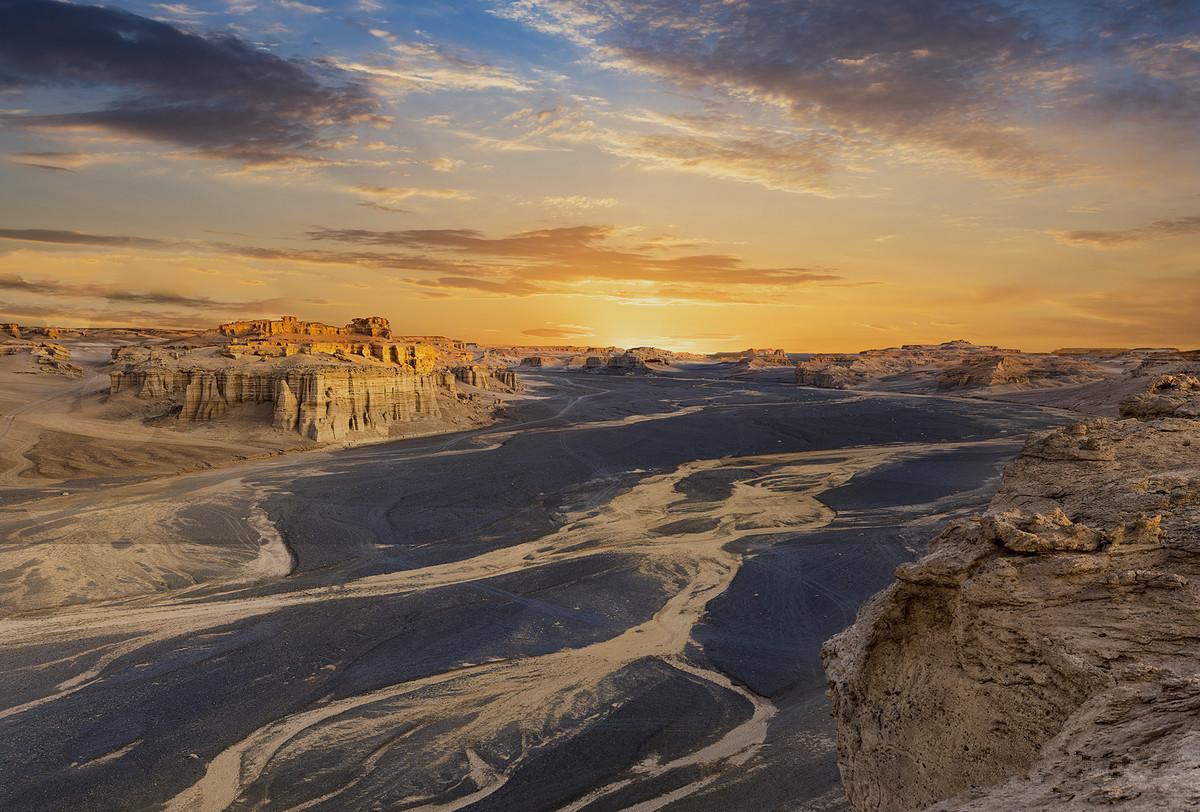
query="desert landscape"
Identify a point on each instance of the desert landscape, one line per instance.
(282, 564)
(599, 406)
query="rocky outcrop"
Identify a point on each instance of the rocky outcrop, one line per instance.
(629, 363)
(11, 329)
(327, 404)
(485, 377)
(324, 399)
(825, 376)
(756, 358)
(1042, 656)
(954, 365)
(374, 326)
(1168, 396)
(1017, 370)
(45, 356)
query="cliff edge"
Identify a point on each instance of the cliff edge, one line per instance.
(1043, 655)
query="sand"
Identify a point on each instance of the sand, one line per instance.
(614, 601)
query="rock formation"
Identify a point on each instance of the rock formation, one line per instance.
(1169, 396)
(331, 403)
(11, 329)
(485, 377)
(630, 363)
(954, 365)
(756, 358)
(325, 383)
(321, 401)
(373, 326)
(46, 356)
(1043, 656)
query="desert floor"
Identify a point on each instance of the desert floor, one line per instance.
(614, 600)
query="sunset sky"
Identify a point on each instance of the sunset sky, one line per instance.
(696, 174)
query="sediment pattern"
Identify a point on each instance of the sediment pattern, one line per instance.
(614, 601)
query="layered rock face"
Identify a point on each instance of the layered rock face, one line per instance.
(357, 388)
(953, 365)
(630, 364)
(1043, 655)
(331, 403)
(485, 377)
(375, 326)
(757, 357)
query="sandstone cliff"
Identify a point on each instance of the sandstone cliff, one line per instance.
(485, 377)
(373, 326)
(323, 398)
(330, 403)
(1043, 655)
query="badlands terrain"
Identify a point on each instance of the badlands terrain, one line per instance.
(287, 565)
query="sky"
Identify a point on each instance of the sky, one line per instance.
(817, 175)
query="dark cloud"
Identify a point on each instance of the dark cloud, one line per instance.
(48, 287)
(213, 93)
(1174, 227)
(370, 259)
(62, 237)
(974, 79)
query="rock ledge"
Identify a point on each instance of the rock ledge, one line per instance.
(1043, 655)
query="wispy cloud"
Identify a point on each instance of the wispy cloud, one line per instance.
(388, 198)
(576, 260)
(561, 331)
(985, 85)
(1157, 229)
(425, 67)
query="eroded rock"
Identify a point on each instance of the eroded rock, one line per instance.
(1041, 656)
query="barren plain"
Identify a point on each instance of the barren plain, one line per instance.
(613, 597)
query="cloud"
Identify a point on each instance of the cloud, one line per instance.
(368, 259)
(443, 164)
(502, 287)
(583, 260)
(64, 237)
(566, 331)
(425, 67)
(581, 252)
(988, 85)
(388, 197)
(63, 161)
(214, 94)
(577, 202)
(1173, 227)
(48, 287)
